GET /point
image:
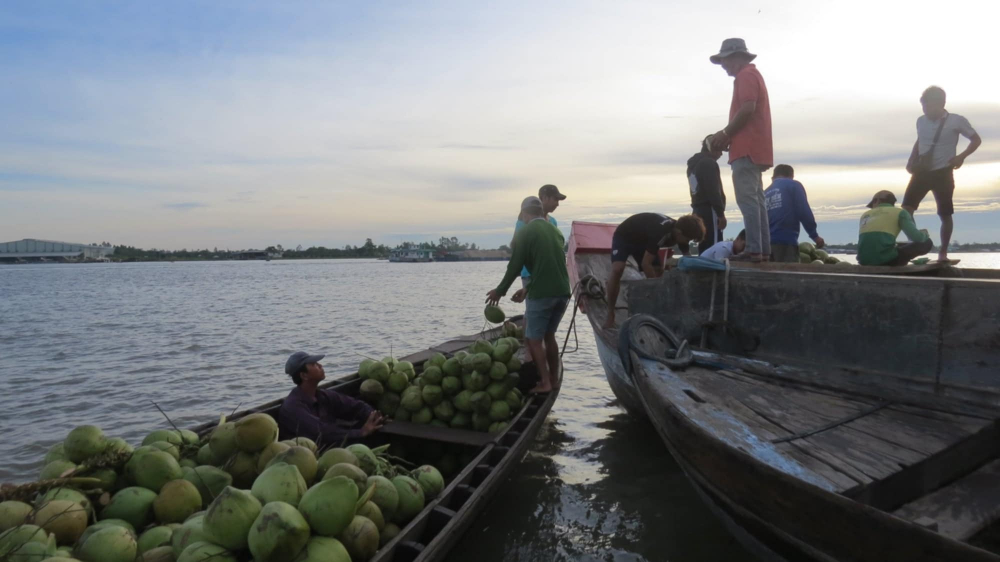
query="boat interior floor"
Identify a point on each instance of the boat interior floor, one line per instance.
(930, 464)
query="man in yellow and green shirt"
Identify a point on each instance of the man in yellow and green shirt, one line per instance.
(879, 228)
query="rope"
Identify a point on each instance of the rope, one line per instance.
(682, 355)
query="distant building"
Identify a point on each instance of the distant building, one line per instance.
(31, 249)
(411, 255)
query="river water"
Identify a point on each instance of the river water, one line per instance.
(99, 343)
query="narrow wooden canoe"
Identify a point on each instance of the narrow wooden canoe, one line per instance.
(437, 528)
(801, 470)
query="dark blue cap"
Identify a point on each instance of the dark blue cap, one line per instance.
(298, 360)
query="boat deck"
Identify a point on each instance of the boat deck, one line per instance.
(932, 464)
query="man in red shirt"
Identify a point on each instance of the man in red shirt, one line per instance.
(748, 139)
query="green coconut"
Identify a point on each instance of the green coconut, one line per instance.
(56, 452)
(360, 538)
(64, 519)
(190, 532)
(805, 258)
(107, 477)
(432, 374)
(364, 368)
(205, 455)
(280, 482)
(388, 533)
(371, 512)
(467, 364)
(102, 524)
(268, 453)
(451, 385)
(481, 346)
(155, 537)
(302, 458)
(388, 403)
(256, 431)
(206, 552)
(156, 468)
(498, 371)
(83, 442)
(56, 469)
(478, 381)
(371, 390)
(243, 468)
(452, 367)
(71, 494)
(430, 480)
(13, 513)
(118, 445)
(405, 367)
(499, 411)
(444, 411)
(480, 402)
(390, 361)
(279, 531)
(514, 365)
(323, 549)
(17, 538)
(497, 390)
(31, 552)
(366, 458)
(351, 471)
(177, 500)
(497, 427)
(398, 381)
(329, 506)
(807, 248)
(463, 401)
(108, 544)
(210, 482)
(513, 399)
(168, 435)
(411, 499)
(436, 360)
(158, 554)
(432, 395)
(494, 314)
(338, 455)
(422, 416)
(817, 262)
(461, 420)
(379, 371)
(166, 447)
(223, 442)
(482, 362)
(133, 504)
(187, 463)
(229, 518)
(481, 421)
(384, 495)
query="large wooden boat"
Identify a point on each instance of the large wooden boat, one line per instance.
(492, 458)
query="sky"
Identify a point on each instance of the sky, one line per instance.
(242, 124)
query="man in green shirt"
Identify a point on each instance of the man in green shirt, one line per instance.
(879, 228)
(539, 247)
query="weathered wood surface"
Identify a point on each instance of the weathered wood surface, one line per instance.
(962, 509)
(784, 500)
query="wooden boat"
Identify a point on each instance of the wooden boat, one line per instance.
(437, 528)
(817, 465)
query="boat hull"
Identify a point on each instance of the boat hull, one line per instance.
(621, 384)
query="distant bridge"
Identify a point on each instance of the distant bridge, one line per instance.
(31, 249)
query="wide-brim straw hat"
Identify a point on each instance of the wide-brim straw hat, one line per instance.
(731, 47)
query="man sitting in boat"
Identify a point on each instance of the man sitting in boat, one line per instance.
(640, 237)
(539, 246)
(879, 228)
(727, 248)
(323, 415)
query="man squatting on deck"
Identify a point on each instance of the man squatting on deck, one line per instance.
(321, 414)
(787, 208)
(641, 236)
(539, 246)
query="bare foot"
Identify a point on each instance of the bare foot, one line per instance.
(943, 257)
(540, 389)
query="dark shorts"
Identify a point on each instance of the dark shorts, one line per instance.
(621, 250)
(940, 182)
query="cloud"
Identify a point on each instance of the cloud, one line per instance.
(185, 206)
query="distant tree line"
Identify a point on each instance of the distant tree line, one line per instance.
(367, 250)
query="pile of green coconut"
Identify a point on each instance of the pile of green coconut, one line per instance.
(475, 389)
(809, 254)
(237, 495)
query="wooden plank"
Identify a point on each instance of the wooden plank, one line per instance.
(445, 435)
(962, 509)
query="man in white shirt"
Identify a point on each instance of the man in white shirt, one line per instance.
(933, 160)
(725, 249)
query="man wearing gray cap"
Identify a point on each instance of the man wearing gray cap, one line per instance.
(321, 414)
(539, 247)
(878, 231)
(748, 139)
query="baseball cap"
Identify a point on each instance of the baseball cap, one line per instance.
(298, 360)
(531, 202)
(549, 190)
(884, 196)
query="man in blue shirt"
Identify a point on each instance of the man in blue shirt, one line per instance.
(787, 207)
